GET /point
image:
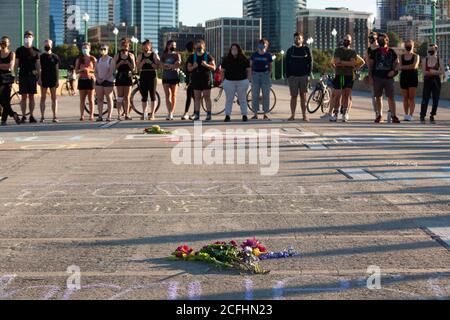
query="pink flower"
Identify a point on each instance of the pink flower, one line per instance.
(183, 250)
(233, 243)
(255, 244)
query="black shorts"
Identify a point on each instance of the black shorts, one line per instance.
(124, 79)
(27, 85)
(172, 82)
(105, 84)
(343, 82)
(201, 84)
(408, 81)
(85, 84)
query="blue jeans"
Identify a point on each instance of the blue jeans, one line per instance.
(261, 82)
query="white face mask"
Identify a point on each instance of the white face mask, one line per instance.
(28, 41)
(86, 52)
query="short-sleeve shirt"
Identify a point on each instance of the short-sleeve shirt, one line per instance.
(383, 62)
(200, 73)
(170, 58)
(261, 62)
(235, 68)
(27, 61)
(345, 55)
(50, 67)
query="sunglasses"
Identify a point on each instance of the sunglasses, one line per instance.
(103, 49)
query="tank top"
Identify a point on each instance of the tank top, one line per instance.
(103, 69)
(170, 58)
(436, 66)
(6, 60)
(124, 68)
(407, 73)
(147, 66)
(86, 75)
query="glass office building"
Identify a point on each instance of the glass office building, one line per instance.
(57, 21)
(278, 19)
(10, 20)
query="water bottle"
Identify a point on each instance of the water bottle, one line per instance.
(389, 120)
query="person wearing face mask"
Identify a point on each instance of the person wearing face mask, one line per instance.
(190, 46)
(344, 61)
(7, 60)
(125, 64)
(383, 64)
(433, 69)
(298, 66)
(261, 64)
(85, 68)
(147, 65)
(49, 78)
(373, 40)
(409, 79)
(201, 65)
(236, 72)
(27, 61)
(171, 62)
(104, 84)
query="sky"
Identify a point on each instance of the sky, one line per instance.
(190, 13)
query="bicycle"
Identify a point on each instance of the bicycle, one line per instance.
(218, 103)
(135, 100)
(66, 88)
(320, 97)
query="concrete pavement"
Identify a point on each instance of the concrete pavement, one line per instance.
(110, 202)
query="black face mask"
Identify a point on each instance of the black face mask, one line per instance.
(346, 43)
(47, 48)
(382, 43)
(431, 53)
(199, 49)
(408, 48)
(371, 40)
(3, 45)
(172, 49)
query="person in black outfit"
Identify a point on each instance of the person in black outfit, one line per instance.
(189, 86)
(49, 78)
(7, 60)
(409, 79)
(298, 68)
(125, 65)
(27, 61)
(147, 65)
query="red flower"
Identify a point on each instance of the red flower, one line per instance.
(253, 243)
(233, 243)
(183, 250)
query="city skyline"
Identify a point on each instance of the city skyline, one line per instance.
(191, 15)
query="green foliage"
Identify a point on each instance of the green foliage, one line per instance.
(322, 61)
(394, 39)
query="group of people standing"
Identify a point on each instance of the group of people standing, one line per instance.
(98, 77)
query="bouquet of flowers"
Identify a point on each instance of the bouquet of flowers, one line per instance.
(245, 257)
(156, 130)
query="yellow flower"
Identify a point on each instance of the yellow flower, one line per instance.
(256, 252)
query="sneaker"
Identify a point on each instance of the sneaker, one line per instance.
(345, 117)
(227, 119)
(422, 120)
(407, 118)
(333, 118)
(326, 116)
(169, 117)
(32, 119)
(23, 120)
(395, 119)
(185, 117)
(379, 119)
(208, 117)
(411, 118)
(196, 117)
(432, 120)
(244, 118)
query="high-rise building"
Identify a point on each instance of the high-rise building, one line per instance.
(442, 35)
(278, 19)
(181, 35)
(318, 24)
(10, 20)
(74, 26)
(57, 21)
(392, 10)
(221, 33)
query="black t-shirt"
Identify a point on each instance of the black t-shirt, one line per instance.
(383, 62)
(27, 61)
(50, 67)
(235, 68)
(200, 73)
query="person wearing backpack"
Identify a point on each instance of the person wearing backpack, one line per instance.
(189, 87)
(261, 65)
(201, 64)
(104, 85)
(298, 68)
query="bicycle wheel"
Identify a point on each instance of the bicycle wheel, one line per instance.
(218, 100)
(314, 100)
(326, 101)
(15, 103)
(105, 107)
(136, 101)
(65, 90)
(273, 100)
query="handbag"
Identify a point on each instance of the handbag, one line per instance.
(7, 79)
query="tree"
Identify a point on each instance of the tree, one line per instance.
(394, 39)
(322, 61)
